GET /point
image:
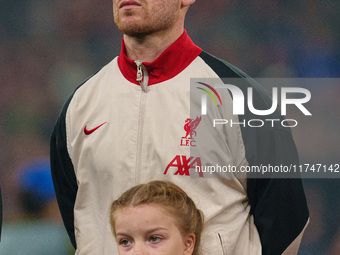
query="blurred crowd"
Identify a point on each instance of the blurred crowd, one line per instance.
(48, 47)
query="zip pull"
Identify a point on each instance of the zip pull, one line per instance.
(139, 71)
(142, 75)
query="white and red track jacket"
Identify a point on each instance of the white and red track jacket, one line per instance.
(115, 132)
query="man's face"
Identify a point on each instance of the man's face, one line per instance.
(137, 17)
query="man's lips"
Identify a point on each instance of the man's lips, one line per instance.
(127, 4)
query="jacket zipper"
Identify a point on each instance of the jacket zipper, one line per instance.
(143, 79)
(142, 75)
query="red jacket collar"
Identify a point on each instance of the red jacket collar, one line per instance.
(170, 63)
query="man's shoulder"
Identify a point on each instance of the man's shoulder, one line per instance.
(101, 73)
(230, 74)
(106, 69)
(221, 67)
(88, 86)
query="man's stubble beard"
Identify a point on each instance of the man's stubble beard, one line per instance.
(151, 23)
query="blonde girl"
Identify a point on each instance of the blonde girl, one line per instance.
(156, 218)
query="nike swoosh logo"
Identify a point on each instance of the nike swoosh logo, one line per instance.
(90, 131)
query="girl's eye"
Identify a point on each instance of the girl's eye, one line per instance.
(155, 239)
(125, 242)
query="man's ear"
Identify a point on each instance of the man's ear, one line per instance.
(187, 3)
(189, 244)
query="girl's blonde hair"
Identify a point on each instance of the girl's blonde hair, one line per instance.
(173, 200)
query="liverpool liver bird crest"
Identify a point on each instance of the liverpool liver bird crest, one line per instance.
(190, 126)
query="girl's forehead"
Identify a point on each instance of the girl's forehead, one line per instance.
(146, 217)
(149, 208)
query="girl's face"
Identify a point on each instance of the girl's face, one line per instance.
(148, 230)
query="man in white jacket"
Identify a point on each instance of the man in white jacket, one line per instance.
(128, 124)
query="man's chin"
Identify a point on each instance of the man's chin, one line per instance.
(134, 28)
(134, 32)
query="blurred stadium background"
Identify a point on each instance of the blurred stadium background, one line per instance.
(48, 47)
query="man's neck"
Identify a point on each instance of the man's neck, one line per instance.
(148, 47)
